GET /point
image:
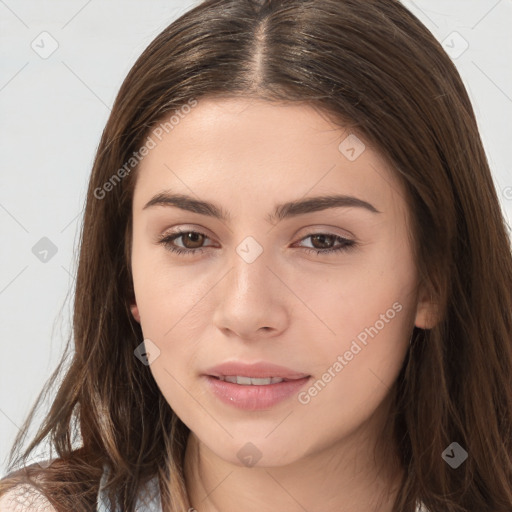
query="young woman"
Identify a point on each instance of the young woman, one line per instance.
(295, 281)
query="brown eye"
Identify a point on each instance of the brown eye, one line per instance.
(192, 239)
(184, 242)
(191, 242)
(322, 241)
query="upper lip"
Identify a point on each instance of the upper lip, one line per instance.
(258, 370)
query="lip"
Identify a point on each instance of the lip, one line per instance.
(252, 398)
(258, 370)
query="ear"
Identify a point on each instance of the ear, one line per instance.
(427, 314)
(135, 311)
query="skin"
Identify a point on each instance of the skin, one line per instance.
(290, 307)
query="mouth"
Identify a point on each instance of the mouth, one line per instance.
(254, 371)
(253, 386)
(254, 394)
(250, 381)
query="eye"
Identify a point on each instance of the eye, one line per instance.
(193, 240)
(321, 240)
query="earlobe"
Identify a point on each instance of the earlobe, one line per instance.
(426, 313)
(135, 312)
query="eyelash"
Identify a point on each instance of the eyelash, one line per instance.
(166, 240)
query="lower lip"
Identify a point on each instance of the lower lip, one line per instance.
(252, 398)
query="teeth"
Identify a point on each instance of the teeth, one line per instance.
(250, 381)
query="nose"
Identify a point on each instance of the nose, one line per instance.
(252, 301)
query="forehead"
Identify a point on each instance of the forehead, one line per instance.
(254, 148)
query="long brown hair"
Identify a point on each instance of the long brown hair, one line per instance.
(370, 65)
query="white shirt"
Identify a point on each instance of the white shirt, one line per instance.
(148, 499)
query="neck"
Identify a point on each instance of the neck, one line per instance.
(355, 473)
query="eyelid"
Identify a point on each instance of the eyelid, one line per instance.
(319, 229)
(179, 233)
(183, 229)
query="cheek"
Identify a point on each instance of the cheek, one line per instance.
(175, 312)
(167, 294)
(367, 312)
(367, 331)
(355, 370)
(351, 298)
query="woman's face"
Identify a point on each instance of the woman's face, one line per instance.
(262, 287)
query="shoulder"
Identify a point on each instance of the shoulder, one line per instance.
(24, 498)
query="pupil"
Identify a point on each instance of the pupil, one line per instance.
(322, 240)
(191, 236)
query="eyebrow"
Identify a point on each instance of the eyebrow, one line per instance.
(282, 211)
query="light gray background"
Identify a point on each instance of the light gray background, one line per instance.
(52, 113)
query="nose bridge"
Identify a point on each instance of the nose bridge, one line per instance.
(249, 298)
(249, 265)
